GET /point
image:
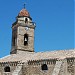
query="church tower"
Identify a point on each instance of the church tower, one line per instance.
(23, 33)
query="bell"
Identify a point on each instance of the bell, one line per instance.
(25, 39)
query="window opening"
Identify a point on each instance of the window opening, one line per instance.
(7, 69)
(44, 67)
(26, 20)
(25, 39)
(13, 41)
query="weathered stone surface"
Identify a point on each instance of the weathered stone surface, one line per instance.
(24, 61)
(57, 67)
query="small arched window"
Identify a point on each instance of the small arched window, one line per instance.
(13, 41)
(44, 67)
(26, 20)
(25, 39)
(7, 69)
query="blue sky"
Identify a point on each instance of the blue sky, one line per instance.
(54, 23)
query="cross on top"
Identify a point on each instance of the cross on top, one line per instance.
(24, 5)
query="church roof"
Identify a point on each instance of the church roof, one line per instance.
(24, 57)
(24, 12)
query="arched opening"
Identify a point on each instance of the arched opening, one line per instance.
(44, 67)
(7, 69)
(13, 41)
(25, 39)
(26, 20)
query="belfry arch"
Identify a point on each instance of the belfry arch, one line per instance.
(25, 39)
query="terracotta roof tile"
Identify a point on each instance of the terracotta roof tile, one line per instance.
(24, 12)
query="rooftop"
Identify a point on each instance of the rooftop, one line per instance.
(26, 56)
(24, 12)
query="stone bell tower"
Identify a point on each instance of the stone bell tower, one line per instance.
(23, 33)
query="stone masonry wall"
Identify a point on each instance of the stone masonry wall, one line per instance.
(70, 66)
(63, 68)
(11, 65)
(35, 67)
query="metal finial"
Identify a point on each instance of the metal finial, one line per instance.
(24, 5)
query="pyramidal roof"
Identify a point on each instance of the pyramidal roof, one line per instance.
(24, 12)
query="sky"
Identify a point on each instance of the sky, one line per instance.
(54, 23)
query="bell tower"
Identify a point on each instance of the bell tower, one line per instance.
(23, 33)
